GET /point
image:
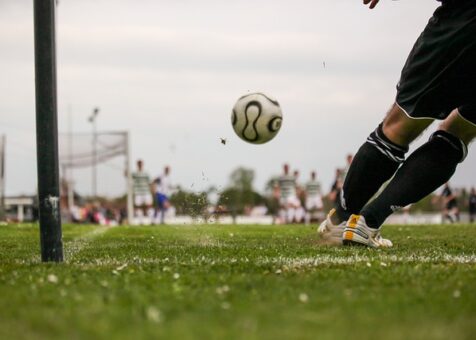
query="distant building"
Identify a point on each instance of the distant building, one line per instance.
(21, 208)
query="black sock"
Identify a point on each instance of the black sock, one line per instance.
(375, 163)
(429, 167)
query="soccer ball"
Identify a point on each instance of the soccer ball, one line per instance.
(256, 118)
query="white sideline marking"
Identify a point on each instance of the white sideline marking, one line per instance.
(71, 248)
(349, 260)
(292, 263)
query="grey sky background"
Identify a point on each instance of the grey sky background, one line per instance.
(170, 71)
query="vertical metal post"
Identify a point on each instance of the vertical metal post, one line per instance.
(130, 198)
(47, 131)
(70, 166)
(92, 120)
(95, 160)
(2, 177)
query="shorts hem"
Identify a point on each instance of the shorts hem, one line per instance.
(465, 119)
(410, 116)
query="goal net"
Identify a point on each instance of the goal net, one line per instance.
(95, 164)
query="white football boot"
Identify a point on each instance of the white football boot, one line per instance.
(329, 232)
(357, 232)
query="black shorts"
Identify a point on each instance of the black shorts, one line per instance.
(452, 204)
(440, 73)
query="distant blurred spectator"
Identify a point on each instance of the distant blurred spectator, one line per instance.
(472, 205)
(141, 190)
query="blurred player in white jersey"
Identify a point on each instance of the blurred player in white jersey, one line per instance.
(163, 190)
(288, 198)
(314, 204)
(142, 194)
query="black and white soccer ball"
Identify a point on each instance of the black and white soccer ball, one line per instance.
(256, 118)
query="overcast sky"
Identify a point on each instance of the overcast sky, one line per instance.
(169, 72)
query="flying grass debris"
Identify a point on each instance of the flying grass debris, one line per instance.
(52, 278)
(153, 314)
(304, 298)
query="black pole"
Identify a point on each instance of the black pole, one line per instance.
(47, 132)
(2, 177)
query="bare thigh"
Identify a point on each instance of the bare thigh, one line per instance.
(459, 127)
(401, 129)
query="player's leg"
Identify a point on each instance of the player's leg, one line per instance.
(291, 208)
(289, 214)
(378, 159)
(308, 211)
(447, 216)
(165, 204)
(456, 214)
(431, 84)
(429, 167)
(375, 163)
(156, 208)
(138, 201)
(160, 213)
(144, 214)
(148, 209)
(300, 214)
(141, 208)
(282, 212)
(472, 212)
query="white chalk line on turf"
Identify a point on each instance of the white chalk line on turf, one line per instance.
(385, 259)
(73, 247)
(290, 262)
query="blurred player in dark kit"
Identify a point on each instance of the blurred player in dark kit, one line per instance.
(472, 205)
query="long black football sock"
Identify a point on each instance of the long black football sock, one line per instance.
(375, 163)
(427, 168)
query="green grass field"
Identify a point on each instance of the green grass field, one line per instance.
(238, 282)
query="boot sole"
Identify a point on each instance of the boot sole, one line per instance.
(353, 243)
